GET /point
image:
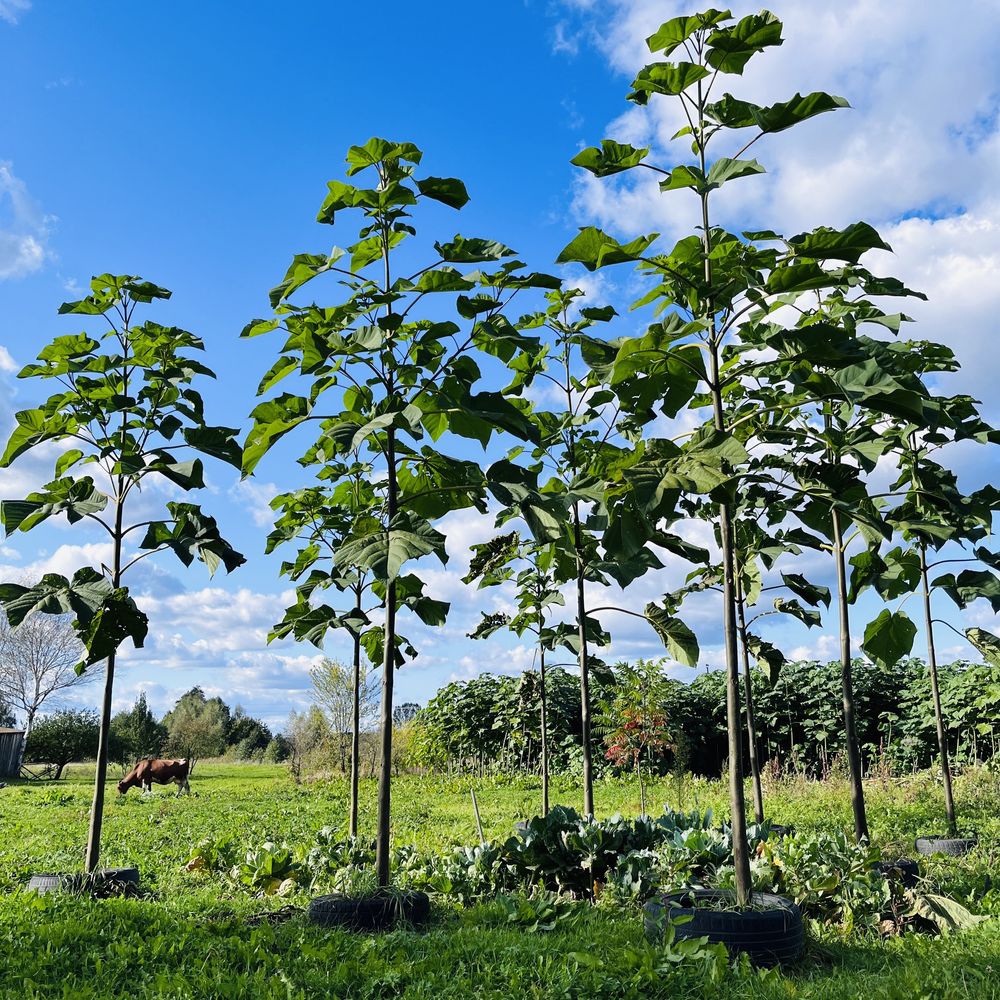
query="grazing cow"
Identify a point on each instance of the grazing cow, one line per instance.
(161, 771)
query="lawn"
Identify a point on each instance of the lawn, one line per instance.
(199, 935)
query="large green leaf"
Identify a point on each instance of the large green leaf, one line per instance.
(731, 48)
(734, 113)
(593, 249)
(35, 426)
(665, 78)
(272, 420)
(805, 615)
(677, 30)
(769, 658)
(986, 642)
(76, 498)
(103, 615)
(809, 592)
(447, 190)
(680, 641)
(384, 553)
(838, 244)
(889, 638)
(725, 169)
(192, 535)
(970, 585)
(611, 158)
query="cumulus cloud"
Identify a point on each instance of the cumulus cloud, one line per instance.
(24, 229)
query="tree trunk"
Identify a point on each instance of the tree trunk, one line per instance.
(104, 733)
(758, 793)
(942, 735)
(352, 826)
(545, 739)
(737, 804)
(388, 669)
(847, 688)
(581, 618)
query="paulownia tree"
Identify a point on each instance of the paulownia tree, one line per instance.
(127, 409)
(716, 294)
(561, 494)
(934, 513)
(386, 374)
(536, 595)
(320, 519)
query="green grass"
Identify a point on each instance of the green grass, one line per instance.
(198, 935)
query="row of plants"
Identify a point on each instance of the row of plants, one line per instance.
(840, 884)
(490, 723)
(786, 378)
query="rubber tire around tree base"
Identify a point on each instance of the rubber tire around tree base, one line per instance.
(904, 870)
(370, 913)
(953, 846)
(772, 934)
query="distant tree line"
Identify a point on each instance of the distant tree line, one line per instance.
(491, 723)
(196, 727)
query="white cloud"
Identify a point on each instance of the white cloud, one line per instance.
(256, 497)
(11, 10)
(24, 229)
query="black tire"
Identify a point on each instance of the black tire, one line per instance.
(126, 876)
(953, 846)
(903, 870)
(780, 831)
(772, 934)
(370, 913)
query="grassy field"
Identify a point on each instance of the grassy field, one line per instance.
(200, 935)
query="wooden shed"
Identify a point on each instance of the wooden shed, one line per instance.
(10, 752)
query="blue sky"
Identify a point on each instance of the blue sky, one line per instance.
(191, 145)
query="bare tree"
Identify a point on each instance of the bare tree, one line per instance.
(306, 732)
(334, 693)
(37, 661)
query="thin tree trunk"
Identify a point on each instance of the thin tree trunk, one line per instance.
(104, 733)
(942, 737)
(642, 787)
(545, 739)
(847, 687)
(388, 669)
(758, 793)
(581, 618)
(737, 803)
(352, 826)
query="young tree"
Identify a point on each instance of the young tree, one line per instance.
(580, 444)
(933, 513)
(307, 732)
(126, 406)
(37, 662)
(383, 377)
(335, 686)
(537, 593)
(63, 738)
(320, 519)
(716, 293)
(634, 719)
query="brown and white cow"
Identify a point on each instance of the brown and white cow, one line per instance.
(161, 771)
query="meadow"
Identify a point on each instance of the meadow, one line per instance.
(199, 934)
